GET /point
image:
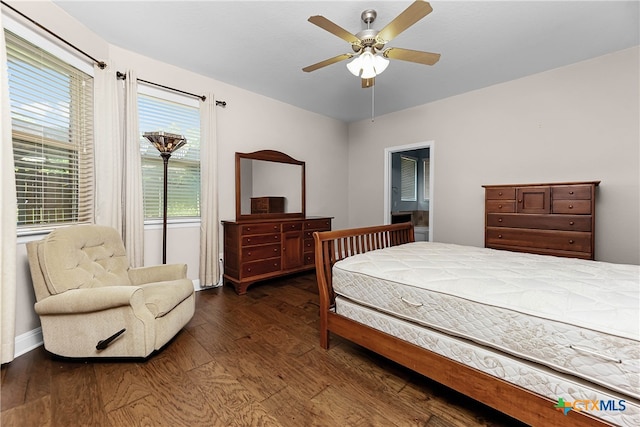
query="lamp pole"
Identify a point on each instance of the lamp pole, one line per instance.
(165, 160)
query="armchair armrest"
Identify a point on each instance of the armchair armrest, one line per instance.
(157, 273)
(90, 300)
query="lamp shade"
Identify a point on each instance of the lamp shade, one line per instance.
(165, 142)
(380, 63)
(354, 66)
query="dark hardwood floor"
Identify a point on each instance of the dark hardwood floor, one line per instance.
(242, 361)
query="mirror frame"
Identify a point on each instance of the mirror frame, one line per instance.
(269, 156)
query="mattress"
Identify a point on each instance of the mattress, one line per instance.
(528, 375)
(575, 316)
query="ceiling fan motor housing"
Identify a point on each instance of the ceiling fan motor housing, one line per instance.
(367, 37)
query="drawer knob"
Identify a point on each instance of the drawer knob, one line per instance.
(570, 206)
(248, 228)
(499, 236)
(571, 242)
(571, 222)
(570, 192)
(499, 219)
(248, 253)
(499, 206)
(248, 240)
(248, 268)
(499, 193)
(275, 249)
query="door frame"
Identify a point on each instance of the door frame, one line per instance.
(388, 152)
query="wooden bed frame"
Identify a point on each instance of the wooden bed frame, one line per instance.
(513, 400)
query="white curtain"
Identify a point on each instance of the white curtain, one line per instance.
(108, 149)
(209, 266)
(132, 213)
(8, 231)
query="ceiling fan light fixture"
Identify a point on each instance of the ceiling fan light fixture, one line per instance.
(367, 65)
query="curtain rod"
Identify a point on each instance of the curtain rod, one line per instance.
(100, 64)
(122, 76)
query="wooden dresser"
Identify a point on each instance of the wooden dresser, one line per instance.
(551, 219)
(263, 249)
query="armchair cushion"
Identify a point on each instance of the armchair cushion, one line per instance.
(162, 297)
(83, 257)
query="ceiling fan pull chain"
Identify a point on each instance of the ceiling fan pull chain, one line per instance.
(373, 102)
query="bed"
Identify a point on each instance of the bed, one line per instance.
(547, 340)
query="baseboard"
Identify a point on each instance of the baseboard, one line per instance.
(28, 341)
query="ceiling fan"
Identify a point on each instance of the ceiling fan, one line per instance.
(368, 45)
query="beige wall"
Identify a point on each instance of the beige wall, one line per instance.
(579, 122)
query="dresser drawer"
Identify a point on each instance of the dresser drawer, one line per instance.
(253, 253)
(582, 192)
(309, 245)
(292, 226)
(501, 205)
(260, 228)
(318, 224)
(575, 207)
(506, 193)
(260, 239)
(309, 258)
(543, 222)
(564, 240)
(257, 268)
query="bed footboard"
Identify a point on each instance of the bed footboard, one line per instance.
(332, 246)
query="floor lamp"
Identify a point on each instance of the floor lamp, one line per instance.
(166, 143)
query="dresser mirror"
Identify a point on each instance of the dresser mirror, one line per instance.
(269, 184)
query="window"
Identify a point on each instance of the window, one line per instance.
(408, 179)
(52, 132)
(161, 111)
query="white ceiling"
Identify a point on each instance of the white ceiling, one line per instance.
(262, 46)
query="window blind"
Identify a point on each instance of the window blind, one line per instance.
(426, 173)
(52, 131)
(408, 179)
(183, 177)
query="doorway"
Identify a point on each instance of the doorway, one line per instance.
(408, 191)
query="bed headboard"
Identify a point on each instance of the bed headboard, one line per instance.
(332, 246)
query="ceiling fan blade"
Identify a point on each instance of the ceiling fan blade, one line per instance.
(367, 83)
(326, 62)
(426, 58)
(334, 29)
(415, 12)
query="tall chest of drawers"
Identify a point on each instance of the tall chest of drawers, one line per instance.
(551, 219)
(257, 250)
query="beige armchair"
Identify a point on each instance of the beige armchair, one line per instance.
(86, 294)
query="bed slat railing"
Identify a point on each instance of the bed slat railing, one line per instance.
(336, 245)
